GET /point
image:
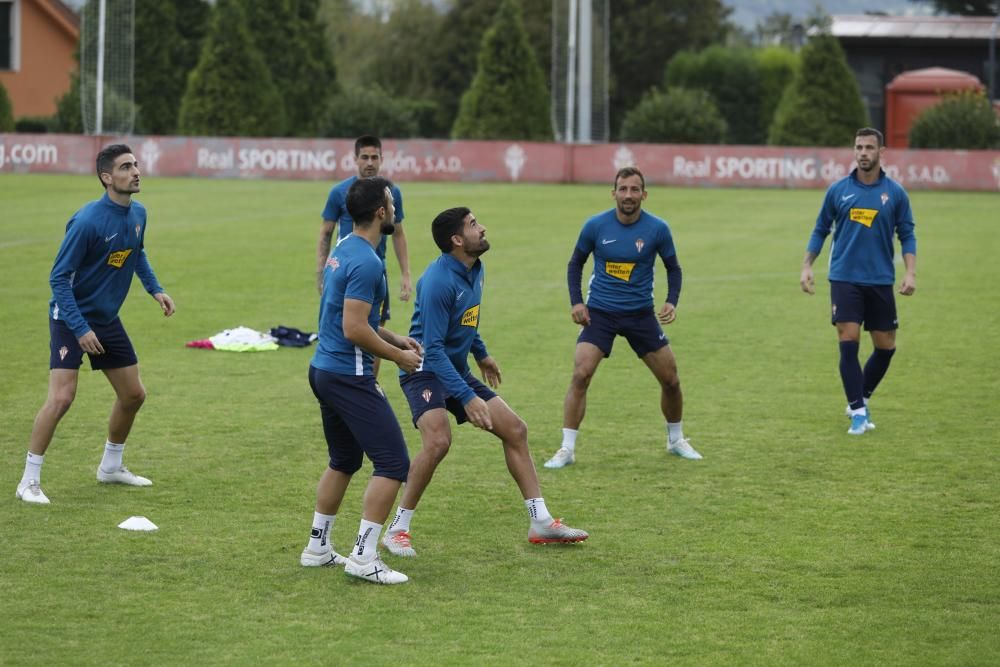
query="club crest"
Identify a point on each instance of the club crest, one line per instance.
(63, 351)
(639, 243)
(426, 395)
(885, 198)
(137, 231)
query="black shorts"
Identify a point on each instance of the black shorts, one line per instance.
(65, 351)
(874, 305)
(425, 392)
(639, 327)
(358, 421)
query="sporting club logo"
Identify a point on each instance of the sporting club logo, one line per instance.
(885, 198)
(333, 263)
(833, 309)
(624, 157)
(137, 229)
(514, 158)
(639, 243)
(63, 351)
(149, 153)
(426, 394)
(117, 259)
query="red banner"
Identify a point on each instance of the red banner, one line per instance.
(501, 161)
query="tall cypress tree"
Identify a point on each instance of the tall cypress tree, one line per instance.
(822, 106)
(508, 98)
(231, 92)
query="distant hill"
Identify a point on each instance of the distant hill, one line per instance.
(747, 13)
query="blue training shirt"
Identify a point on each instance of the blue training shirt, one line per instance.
(624, 259)
(92, 273)
(354, 271)
(446, 322)
(336, 210)
(866, 216)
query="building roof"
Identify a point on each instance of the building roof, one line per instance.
(976, 28)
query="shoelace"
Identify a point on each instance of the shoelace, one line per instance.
(402, 538)
(34, 487)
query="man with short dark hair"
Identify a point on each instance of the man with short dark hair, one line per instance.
(102, 250)
(446, 322)
(625, 242)
(864, 209)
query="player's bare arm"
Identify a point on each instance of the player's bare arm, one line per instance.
(323, 250)
(403, 257)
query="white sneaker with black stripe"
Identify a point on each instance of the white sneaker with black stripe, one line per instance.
(374, 570)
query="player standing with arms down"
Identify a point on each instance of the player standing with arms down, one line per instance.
(867, 208)
(102, 250)
(625, 242)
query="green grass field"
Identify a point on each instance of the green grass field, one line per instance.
(791, 543)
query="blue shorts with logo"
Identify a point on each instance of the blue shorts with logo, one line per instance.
(875, 305)
(425, 392)
(65, 351)
(358, 421)
(639, 327)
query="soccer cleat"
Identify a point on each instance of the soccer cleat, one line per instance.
(562, 458)
(30, 492)
(683, 449)
(556, 532)
(328, 558)
(859, 424)
(373, 570)
(869, 426)
(398, 544)
(122, 476)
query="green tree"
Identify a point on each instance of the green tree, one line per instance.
(822, 105)
(677, 116)
(965, 7)
(6, 111)
(965, 120)
(290, 37)
(368, 110)
(230, 92)
(777, 67)
(69, 118)
(732, 78)
(508, 98)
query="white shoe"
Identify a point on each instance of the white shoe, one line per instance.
(398, 544)
(869, 426)
(30, 492)
(556, 532)
(683, 449)
(562, 458)
(373, 570)
(328, 558)
(122, 476)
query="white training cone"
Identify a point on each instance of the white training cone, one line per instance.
(137, 523)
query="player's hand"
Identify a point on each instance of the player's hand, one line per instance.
(581, 315)
(408, 360)
(806, 280)
(405, 288)
(166, 303)
(90, 344)
(490, 371)
(668, 313)
(479, 414)
(909, 285)
(407, 343)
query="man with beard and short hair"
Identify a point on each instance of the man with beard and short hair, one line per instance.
(357, 419)
(625, 242)
(446, 322)
(865, 209)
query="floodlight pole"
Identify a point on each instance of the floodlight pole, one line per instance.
(585, 52)
(99, 112)
(571, 72)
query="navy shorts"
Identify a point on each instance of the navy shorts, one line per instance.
(357, 421)
(639, 327)
(875, 305)
(65, 351)
(425, 392)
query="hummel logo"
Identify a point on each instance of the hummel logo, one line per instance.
(846, 197)
(607, 241)
(107, 239)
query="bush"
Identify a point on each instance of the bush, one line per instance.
(777, 66)
(369, 110)
(965, 120)
(677, 116)
(34, 124)
(6, 112)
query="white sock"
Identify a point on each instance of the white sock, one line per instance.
(319, 536)
(401, 523)
(675, 431)
(112, 460)
(367, 542)
(569, 438)
(33, 467)
(537, 511)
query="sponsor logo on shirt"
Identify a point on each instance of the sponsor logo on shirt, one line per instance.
(620, 270)
(865, 216)
(107, 239)
(470, 318)
(117, 259)
(607, 241)
(846, 197)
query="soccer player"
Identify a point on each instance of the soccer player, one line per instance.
(357, 418)
(625, 242)
(446, 322)
(368, 157)
(867, 208)
(102, 250)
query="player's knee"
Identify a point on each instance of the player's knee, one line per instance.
(581, 379)
(518, 431)
(437, 445)
(60, 401)
(671, 382)
(133, 398)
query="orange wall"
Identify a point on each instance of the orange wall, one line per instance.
(47, 44)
